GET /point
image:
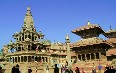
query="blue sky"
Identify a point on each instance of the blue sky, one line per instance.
(55, 17)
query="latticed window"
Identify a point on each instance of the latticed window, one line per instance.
(29, 36)
(25, 36)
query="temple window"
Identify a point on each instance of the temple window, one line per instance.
(29, 36)
(22, 38)
(32, 38)
(97, 55)
(19, 48)
(63, 51)
(28, 47)
(25, 36)
(17, 39)
(35, 37)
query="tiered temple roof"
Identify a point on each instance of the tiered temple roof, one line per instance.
(89, 34)
(111, 34)
(89, 41)
(89, 30)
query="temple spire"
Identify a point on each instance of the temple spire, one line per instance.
(28, 21)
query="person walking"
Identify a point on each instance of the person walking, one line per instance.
(36, 70)
(56, 69)
(47, 69)
(17, 69)
(93, 70)
(29, 70)
(77, 70)
(67, 71)
(0, 69)
(62, 69)
(99, 68)
(71, 71)
(83, 70)
(13, 69)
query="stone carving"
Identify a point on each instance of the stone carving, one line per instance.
(5, 49)
(113, 62)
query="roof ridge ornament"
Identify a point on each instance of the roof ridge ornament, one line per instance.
(28, 10)
(110, 27)
(67, 36)
(88, 23)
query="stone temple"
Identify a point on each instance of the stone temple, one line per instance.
(31, 49)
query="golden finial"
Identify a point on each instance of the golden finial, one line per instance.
(67, 37)
(88, 23)
(28, 8)
(110, 27)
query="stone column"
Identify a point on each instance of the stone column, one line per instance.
(100, 55)
(27, 35)
(23, 58)
(44, 59)
(90, 56)
(77, 57)
(95, 55)
(24, 36)
(20, 58)
(31, 36)
(13, 59)
(27, 59)
(47, 60)
(85, 57)
(17, 47)
(18, 38)
(37, 38)
(81, 57)
(41, 59)
(21, 47)
(21, 37)
(9, 59)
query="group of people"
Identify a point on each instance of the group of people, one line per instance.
(110, 69)
(15, 69)
(64, 69)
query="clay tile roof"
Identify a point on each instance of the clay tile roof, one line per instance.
(111, 40)
(86, 27)
(110, 31)
(89, 41)
(62, 54)
(111, 52)
(73, 54)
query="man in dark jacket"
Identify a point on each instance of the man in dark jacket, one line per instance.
(13, 70)
(0, 69)
(17, 69)
(29, 70)
(56, 69)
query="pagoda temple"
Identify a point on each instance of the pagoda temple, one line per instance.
(90, 47)
(111, 35)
